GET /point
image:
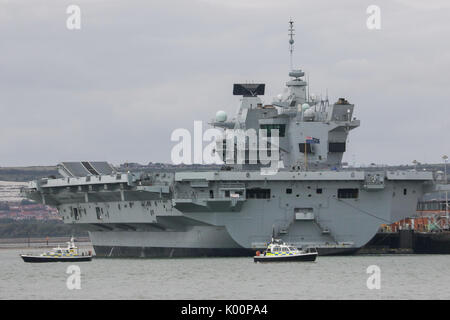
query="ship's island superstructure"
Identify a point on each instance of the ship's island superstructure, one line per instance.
(308, 201)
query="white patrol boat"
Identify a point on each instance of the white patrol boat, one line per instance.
(68, 254)
(278, 251)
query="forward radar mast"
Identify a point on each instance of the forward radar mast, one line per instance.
(291, 41)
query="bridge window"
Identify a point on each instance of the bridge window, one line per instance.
(348, 193)
(336, 147)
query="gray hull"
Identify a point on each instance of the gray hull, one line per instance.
(199, 242)
(129, 221)
(165, 252)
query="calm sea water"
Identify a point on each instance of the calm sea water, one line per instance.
(402, 277)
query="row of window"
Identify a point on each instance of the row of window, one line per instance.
(284, 249)
(347, 193)
(332, 147)
(258, 193)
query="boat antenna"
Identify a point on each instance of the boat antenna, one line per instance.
(291, 40)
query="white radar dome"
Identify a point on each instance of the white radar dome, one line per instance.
(305, 106)
(309, 114)
(221, 116)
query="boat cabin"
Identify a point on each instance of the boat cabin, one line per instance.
(277, 247)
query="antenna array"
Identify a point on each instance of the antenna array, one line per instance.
(291, 40)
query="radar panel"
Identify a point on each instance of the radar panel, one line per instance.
(248, 89)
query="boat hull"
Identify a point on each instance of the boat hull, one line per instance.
(300, 257)
(38, 259)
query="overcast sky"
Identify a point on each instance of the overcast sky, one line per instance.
(137, 70)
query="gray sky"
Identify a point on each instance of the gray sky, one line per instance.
(116, 89)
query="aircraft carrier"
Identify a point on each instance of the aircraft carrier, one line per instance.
(306, 199)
